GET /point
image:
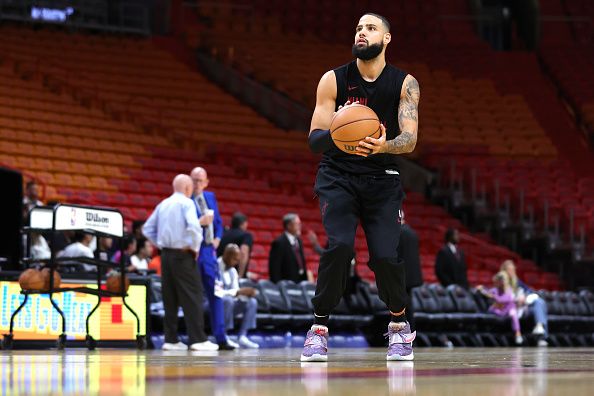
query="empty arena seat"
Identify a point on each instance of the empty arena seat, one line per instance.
(277, 302)
(301, 312)
(588, 298)
(577, 308)
(428, 311)
(466, 304)
(263, 316)
(455, 320)
(376, 305)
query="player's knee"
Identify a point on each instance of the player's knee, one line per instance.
(343, 251)
(385, 263)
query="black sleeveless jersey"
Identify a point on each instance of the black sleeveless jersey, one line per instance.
(383, 96)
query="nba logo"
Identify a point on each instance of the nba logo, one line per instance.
(72, 217)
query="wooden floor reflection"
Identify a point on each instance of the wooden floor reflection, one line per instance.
(509, 371)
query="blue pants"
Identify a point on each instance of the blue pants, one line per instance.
(539, 309)
(248, 307)
(209, 269)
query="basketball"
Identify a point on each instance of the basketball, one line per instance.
(31, 279)
(45, 273)
(352, 124)
(113, 283)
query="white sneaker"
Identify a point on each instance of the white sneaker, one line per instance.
(538, 329)
(180, 346)
(542, 343)
(245, 342)
(519, 340)
(204, 346)
(232, 343)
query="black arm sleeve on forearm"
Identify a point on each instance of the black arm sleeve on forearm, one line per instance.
(319, 140)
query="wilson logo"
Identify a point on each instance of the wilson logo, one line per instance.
(349, 147)
(96, 218)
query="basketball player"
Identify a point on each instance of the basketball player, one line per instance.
(366, 186)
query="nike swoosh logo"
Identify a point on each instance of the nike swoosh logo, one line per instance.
(351, 88)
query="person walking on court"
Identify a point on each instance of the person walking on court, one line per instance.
(174, 228)
(364, 186)
(212, 226)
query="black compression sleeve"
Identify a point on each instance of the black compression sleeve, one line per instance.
(319, 140)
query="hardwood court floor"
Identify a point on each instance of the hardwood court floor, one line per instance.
(501, 372)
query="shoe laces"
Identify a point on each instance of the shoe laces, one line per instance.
(316, 337)
(399, 337)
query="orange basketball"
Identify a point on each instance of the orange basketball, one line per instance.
(352, 124)
(114, 282)
(31, 279)
(45, 273)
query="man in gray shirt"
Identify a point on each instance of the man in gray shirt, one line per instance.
(174, 228)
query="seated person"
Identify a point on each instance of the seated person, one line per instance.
(140, 260)
(128, 249)
(155, 263)
(503, 302)
(104, 245)
(528, 301)
(235, 299)
(39, 247)
(80, 248)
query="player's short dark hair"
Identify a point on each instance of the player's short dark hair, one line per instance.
(449, 235)
(127, 240)
(383, 19)
(137, 224)
(140, 242)
(238, 220)
(79, 236)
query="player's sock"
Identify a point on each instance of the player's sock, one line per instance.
(321, 320)
(400, 318)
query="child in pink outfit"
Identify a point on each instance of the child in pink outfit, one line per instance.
(504, 302)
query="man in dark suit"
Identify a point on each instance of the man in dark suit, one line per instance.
(450, 266)
(286, 260)
(239, 235)
(408, 249)
(212, 226)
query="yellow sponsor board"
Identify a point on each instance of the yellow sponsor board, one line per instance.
(38, 320)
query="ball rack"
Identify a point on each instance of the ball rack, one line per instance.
(98, 221)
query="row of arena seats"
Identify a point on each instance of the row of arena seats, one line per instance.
(463, 315)
(459, 314)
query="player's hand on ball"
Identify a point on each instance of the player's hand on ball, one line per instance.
(348, 103)
(370, 146)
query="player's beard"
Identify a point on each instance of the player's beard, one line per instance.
(368, 52)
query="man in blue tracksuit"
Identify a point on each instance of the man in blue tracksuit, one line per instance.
(212, 225)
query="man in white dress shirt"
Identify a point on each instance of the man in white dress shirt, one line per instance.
(174, 228)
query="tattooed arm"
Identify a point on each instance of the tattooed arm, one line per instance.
(408, 121)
